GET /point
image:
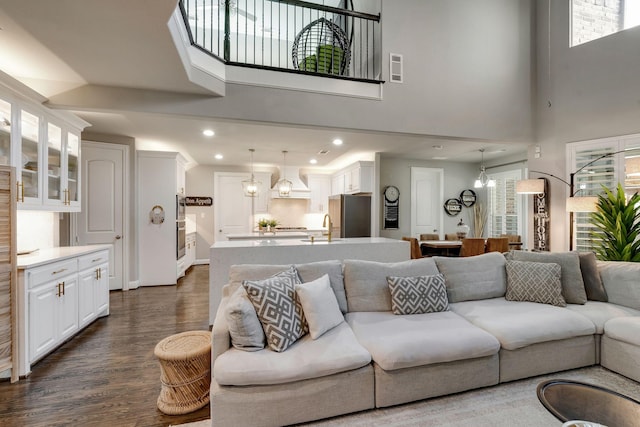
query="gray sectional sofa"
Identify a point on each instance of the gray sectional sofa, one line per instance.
(376, 358)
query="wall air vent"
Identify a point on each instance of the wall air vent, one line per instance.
(395, 67)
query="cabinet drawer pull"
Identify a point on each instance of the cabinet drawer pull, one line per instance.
(58, 271)
(96, 260)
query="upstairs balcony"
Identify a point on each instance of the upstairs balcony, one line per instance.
(297, 37)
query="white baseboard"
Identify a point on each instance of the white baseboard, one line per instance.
(203, 261)
(134, 285)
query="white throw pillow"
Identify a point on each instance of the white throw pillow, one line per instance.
(244, 327)
(320, 306)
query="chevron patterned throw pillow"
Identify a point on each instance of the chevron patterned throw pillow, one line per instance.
(278, 308)
(534, 282)
(416, 295)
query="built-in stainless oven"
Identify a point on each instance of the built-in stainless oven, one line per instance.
(181, 238)
(181, 208)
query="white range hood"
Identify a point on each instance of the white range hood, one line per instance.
(298, 189)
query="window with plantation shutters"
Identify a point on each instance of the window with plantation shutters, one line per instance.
(622, 164)
(504, 207)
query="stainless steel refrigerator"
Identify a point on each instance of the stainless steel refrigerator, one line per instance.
(351, 215)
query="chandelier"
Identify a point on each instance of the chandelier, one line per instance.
(250, 186)
(483, 180)
(284, 185)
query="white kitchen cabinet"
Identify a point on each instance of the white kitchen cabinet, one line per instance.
(44, 147)
(356, 178)
(53, 314)
(158, 173)
(321, 188)
(93, 287)
(190, 256)
(60, 291)
(181, 177)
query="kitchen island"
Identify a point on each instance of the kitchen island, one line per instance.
(294, 251)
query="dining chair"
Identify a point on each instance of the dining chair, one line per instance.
(497, 244)
(429, 236)
(415, 247)
(451, 236)
(513, 238)
(472, 246)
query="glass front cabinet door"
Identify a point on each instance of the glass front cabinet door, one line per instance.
(5, 132)
(72, 197)
(54, 164)
(28, 170)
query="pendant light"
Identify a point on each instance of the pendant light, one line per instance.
(284, 185)
(483, 180)
(251, 187)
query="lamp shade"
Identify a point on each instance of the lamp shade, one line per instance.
(530, 186)
(582, 204)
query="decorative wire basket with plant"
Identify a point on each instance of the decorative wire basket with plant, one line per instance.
(617, 222)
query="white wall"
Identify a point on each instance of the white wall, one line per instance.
(457, 177)
(37, 230)
(586, 92)
(200, 183)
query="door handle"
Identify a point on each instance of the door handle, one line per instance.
(118, 237)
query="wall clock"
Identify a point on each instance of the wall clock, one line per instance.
(452, 207)
(468, 198)
(391, 204)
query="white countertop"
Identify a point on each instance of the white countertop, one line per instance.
(44, 256)
(300, 241)
(267, 236)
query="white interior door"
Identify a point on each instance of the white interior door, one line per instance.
(426, 195)
(102, 218)
(232, 210)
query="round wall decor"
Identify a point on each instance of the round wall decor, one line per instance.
(452, 207)
(468, 198)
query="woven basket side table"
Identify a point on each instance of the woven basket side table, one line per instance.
(185, 372)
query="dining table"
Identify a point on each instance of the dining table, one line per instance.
(441, 247)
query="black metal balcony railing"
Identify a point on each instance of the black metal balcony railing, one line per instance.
(288, 35)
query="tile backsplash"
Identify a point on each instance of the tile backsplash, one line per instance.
(37, 230)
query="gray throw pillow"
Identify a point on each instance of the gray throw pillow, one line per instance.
(244, 326)
(570, 274)
(591, 277)
(473, 278)
(417, 295)
(278, 308)
(534, 282)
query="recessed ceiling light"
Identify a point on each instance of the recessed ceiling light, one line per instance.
(337, 141)
(208, 132)
(219, 156)
(437, 147)
(313, 161)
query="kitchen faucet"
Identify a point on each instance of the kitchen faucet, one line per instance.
(329, 227)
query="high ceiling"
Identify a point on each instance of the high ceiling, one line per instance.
(56, 46)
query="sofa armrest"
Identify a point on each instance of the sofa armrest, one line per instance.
(220, 338)
(621, 281)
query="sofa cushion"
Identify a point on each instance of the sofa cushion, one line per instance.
(620, 279)
(471, 278)
(397, 342)
(534, 282)
(591, 277)
(601, 312)
(570, 274)
(245, 329)
(625, 329)
(336, 351)
(366, 281)
(307, 271)
(319, 305)
(519, 324)
(278, 308)
(417, 295)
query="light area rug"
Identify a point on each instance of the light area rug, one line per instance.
(510, 404)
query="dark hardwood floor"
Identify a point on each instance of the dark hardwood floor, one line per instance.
(107, 375)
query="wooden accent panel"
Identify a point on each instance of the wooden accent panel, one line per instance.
(8, 273)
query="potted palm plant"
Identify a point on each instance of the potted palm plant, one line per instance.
(617, 222)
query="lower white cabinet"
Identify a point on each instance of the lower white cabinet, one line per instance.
(59, 297)
(190, 256)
